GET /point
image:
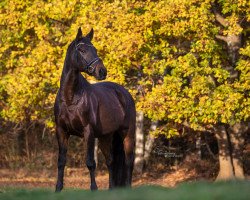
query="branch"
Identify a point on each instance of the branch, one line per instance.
(58, 21)
(209, 149)
(219, 17)
(223, 38)
(205, 129)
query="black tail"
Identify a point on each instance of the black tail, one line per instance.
(119, 165)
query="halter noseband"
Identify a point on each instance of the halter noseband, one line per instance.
(90, 67)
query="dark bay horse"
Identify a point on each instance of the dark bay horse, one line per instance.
(103, 110)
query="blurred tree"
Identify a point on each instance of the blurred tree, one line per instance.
(186, 62)
(195, 80)
(139, 143)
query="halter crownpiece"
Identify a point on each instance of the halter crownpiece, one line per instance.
(90, 45)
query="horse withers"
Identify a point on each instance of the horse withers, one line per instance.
(103, 110)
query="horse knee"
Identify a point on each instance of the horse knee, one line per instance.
(62, 159)
(129, 151)
(109, 161)
(61, 164)
(129, 145)
(91, 164)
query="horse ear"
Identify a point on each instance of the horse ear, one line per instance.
(79, 34)
(90, 34)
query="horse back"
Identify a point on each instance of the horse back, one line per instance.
(119, 92)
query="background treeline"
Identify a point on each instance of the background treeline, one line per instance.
(186, 62)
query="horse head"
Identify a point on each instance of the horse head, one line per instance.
(85, 56)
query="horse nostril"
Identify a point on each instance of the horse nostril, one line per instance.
(102, 73)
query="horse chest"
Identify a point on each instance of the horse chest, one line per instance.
(73, 119)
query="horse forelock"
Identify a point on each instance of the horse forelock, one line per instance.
(73, 44)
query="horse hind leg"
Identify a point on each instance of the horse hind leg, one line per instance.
(129, 144)
(105, 144)
(118, 165)
(119, 155)
(112, 148)
(129, 149)
(123, 158)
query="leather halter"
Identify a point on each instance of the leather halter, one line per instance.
(90, 67)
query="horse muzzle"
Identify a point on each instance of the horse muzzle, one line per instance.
(102, 73)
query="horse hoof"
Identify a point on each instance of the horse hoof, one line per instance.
(93, 187)
(59, 188)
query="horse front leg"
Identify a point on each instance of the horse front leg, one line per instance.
(62, 139)
(90, 161)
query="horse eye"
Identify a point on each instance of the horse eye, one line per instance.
(82, 51)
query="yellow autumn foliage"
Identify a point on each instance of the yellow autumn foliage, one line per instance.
(164, 52)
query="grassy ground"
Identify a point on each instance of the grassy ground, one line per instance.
(197, 190)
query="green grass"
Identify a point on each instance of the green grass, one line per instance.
(192, 191)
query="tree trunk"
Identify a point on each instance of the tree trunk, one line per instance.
(149, 142)
(21, 143)
(226, 168)
(234, 43)
(198, 145)
(96, 152)
(138, 166)
(237, 142)
(27, 148)
(235, 139)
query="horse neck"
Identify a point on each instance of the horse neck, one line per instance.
(71, 83)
